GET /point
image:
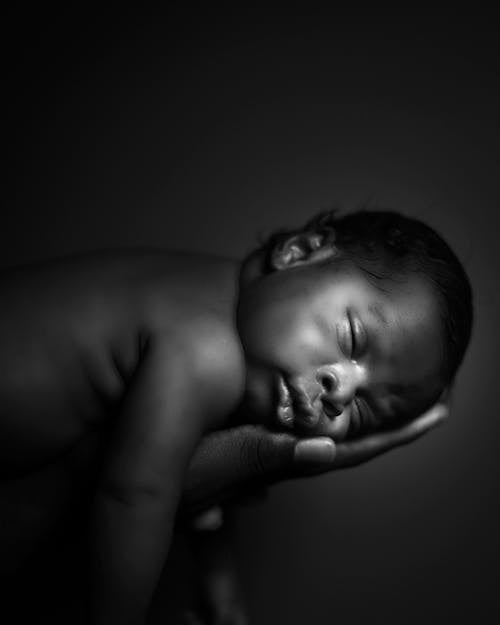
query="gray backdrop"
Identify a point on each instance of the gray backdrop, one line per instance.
(201, 132)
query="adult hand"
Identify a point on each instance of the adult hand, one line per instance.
(229, 462)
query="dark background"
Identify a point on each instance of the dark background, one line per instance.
(203, 131)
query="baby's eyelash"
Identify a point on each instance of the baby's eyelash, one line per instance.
(353, 337)
(358, 336)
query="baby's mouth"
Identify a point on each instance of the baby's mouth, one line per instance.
(285, 412)
(294, 408)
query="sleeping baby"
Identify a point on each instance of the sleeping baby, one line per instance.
(351, 324)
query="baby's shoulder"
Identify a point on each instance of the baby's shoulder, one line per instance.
(207, 351)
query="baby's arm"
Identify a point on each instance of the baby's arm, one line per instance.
(161, 422)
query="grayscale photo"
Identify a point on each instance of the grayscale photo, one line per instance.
(248, 317)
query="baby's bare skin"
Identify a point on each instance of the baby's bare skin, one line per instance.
(114, 367)
(73, 336)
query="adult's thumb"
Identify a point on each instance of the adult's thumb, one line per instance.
(228, 462)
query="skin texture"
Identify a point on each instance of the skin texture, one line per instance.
(114, 367)
(329, 353)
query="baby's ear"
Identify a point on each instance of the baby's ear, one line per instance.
(302, 249)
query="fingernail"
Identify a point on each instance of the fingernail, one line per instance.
(443, 418)
(315, 450)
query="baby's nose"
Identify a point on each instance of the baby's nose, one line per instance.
(328, 380)
(338, 388)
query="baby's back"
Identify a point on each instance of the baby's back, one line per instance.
(72, 332)
(71, 335)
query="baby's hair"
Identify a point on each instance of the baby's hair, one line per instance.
(387, 245)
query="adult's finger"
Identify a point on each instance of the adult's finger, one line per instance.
(356, 452)
(230, 461)
(247, 457)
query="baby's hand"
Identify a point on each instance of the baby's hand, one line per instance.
(229, 461)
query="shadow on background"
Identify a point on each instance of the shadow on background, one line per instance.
(202, 133)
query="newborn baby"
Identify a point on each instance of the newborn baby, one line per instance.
(347, 325)
(367, 325)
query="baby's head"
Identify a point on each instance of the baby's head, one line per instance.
(351, 323)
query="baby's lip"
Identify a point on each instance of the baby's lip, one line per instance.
(285, 411)
(295, 409)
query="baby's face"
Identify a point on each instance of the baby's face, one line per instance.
(329, 353)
